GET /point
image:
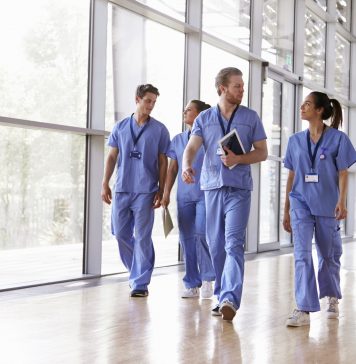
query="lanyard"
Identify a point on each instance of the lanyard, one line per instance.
(189, 132)
(313, 156)
(133, 136)
(230, 121)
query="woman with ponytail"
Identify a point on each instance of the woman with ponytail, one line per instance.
(199, 271)
(317, 159)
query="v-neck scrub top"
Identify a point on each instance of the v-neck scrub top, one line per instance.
(138, 175)
(187, 192)
(250, 129)
(337, 154)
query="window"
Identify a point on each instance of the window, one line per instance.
(314, 49)
(277, 32)
(42, 205)
(342, 65)
(135, 56)
(173, 8)
(228, 20)
(343, 13)
(44, 60)
(213, 60)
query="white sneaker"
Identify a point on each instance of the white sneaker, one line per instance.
(228, 311)
(333, 310)
(190, 292)
(298, 318)
(206, 289)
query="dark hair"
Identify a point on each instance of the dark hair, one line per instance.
(332, 108)
(222, 78)
(200, 105)
(141, 90)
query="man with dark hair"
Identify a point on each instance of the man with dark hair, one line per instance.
(139, 144)
(227, 190)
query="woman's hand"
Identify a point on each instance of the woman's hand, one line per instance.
(286, 222)
(340, 211)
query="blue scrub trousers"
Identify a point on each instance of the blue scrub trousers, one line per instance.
(329, 250)
(227, 209)
(191, 223)
(133, 212)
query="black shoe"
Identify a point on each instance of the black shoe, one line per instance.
(139, 293)
(216, 311)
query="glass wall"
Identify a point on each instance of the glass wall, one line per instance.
(314, 49)
(173, 8)
(228, 20)
(133, 39)
(270, 170)
(212, 61)
(277, 32)
(343, 13)
(342, 60)
(44, 60)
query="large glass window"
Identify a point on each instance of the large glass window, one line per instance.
(212, 61)
(314, 49)
(228, 20)
(44, 60)
(173, 8)
(321, 3)
(343, 13)
(342, 65)
(270, 170)
(42, 205)
(277, 32)
(134, 57)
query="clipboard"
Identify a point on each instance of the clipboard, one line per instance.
(233, 142)
(167, 221)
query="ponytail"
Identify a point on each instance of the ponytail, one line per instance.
(332, 108)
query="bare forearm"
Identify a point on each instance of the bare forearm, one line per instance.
(171, 177)
(255, 156)
(288, 189)
(163, 163)
(343, 177)
(109, 169)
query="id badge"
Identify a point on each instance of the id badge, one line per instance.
(135, 154)
(220, 151)
(312, 178)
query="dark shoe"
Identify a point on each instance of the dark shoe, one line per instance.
(216, 311)
(227, 310)
(139, 293)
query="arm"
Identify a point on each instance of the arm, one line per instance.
(286, 218)
(109, 170)
(340, 209)
(162, 170)
(190, 151)
(171, 177)
(259, 154)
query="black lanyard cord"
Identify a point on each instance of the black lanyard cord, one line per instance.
(312, 156)
(133, 136)
(229, 122)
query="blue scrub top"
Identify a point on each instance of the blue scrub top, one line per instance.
(138, 175)
(214, 174)
(339, 154)
(186, 192)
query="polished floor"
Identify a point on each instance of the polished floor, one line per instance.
(95, 321)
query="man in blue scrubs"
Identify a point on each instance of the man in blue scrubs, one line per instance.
(227, 191)
(139, 144)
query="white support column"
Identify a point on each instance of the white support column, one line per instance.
(95, 144)
(255, 102)
(330, 47)
(193, 52)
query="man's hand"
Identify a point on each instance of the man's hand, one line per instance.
(106, 193)
(157, 200)
(188, 175)
(286, 222)
(165, 200)
(230, 158)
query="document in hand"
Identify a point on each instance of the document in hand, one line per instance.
(232, 141)
(167, 221)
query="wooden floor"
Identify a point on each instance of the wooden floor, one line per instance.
(95, 321)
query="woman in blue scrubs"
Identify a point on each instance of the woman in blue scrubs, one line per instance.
(199, 271)
(317, 159)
